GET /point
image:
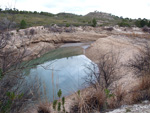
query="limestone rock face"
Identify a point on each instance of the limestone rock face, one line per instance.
(39, 40)
(53, 36)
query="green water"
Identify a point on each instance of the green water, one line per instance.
(52, 55)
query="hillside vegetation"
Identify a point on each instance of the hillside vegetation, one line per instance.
(62, 19)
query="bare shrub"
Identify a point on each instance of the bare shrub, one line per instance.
(55, 29)
(109, 28)
(15, 92)
(105, 72)
(6, 24)
(3, 40)
(32, 32)
(145, 29)
(11, 58)
(100, 77)
(21, 93)
(69, 30)
(141, 61)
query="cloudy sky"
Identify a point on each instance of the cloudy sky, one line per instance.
(125, 8)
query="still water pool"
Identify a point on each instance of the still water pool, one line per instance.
(64, 68)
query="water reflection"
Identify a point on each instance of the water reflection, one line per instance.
(66, 74)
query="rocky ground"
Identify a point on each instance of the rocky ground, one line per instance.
(125, 47)
(125, 41)
(144, 107)
(35, 39)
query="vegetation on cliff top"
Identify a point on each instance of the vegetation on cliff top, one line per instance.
(66, 19)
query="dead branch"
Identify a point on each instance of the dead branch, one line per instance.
(105, 72)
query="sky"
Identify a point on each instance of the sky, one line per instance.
(126, 8)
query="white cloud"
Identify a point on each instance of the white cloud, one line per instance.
(125, 8)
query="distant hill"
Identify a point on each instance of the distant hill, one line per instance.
(104, 18)
(101, 15)
(61, 19)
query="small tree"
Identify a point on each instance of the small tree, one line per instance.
(23, 24)
(105, 72)
(94, 22)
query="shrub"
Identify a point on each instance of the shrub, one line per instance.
(142, 91)
(148, 24)
(109, 28)
(140, 64)
(32, 31)
(118, 98)
(94, 100)
(124, 24)
(23, 24)
(105, 72)
(94, 22)
(17, 30)
(142, 22)
(12, 33)
(67, 25)
(145, 29)
(43, 109)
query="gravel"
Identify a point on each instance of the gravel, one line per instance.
(144, 107)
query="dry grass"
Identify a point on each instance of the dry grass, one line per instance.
(43, 108)
(96, 100)
(142, 91)
(89, 101)
(146, 35)
(119, 97)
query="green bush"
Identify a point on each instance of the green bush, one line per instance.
(5, 106)
(148, 24)
(23, 24)
(124, 24)
(67, 25)
(142, 23)
(94, 22)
